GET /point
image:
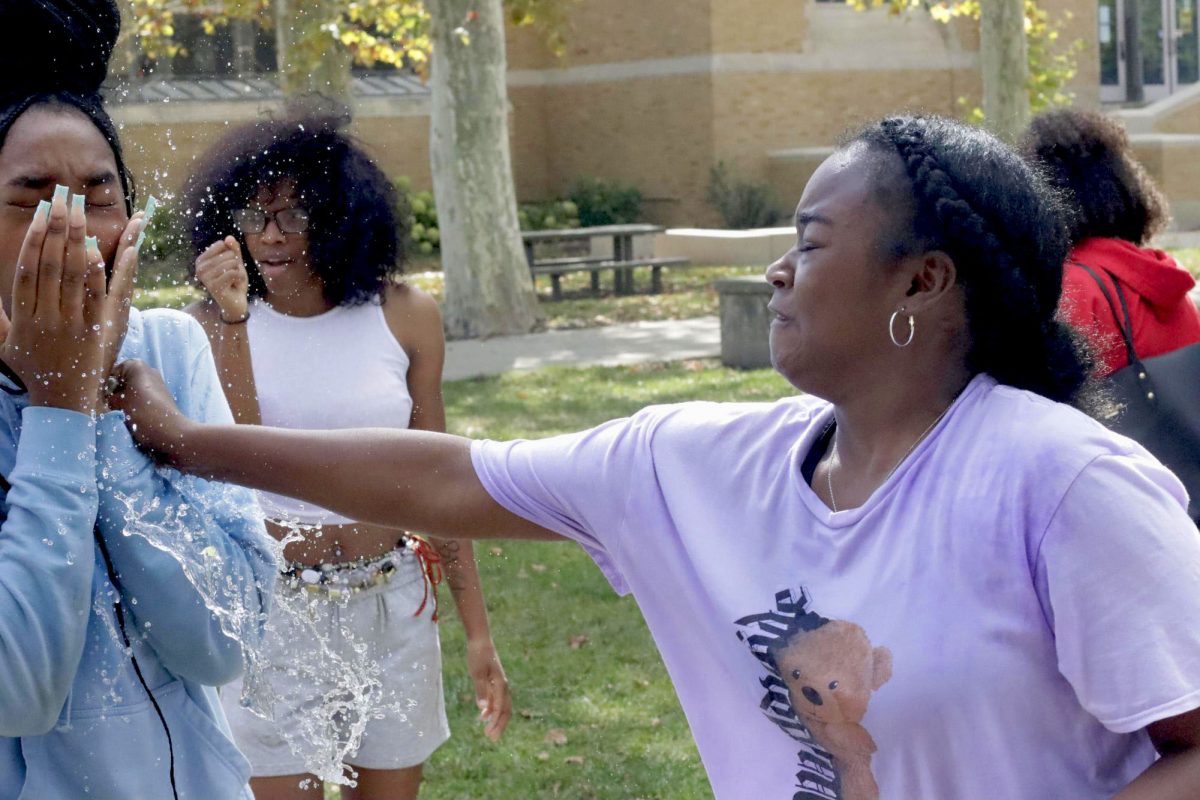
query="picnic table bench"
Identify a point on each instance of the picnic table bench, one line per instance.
(622, 261)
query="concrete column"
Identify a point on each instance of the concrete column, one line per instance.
(1134, 69)
(745, 322)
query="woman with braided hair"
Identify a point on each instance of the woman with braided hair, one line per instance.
(929, 577)
(126, 593)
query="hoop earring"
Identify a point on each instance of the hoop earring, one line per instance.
(912, 328)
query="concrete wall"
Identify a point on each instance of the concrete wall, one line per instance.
(734, 81)
(163, 142)
(1081, 20)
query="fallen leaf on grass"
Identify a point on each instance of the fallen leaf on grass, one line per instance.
(655, 722)
(556, 736)
(573, 760)
(542, 756)
(538, 567)
(578, 641)
(496, 551)
(529, 713)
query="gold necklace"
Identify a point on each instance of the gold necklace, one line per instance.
(833, 456)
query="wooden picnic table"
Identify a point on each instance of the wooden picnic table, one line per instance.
(622, 261)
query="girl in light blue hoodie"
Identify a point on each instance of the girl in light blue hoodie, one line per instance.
(126, 592)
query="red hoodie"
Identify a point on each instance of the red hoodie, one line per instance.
(1164, 317)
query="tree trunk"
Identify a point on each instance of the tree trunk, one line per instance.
(488, 287)
(1004, 62)
(310, 61)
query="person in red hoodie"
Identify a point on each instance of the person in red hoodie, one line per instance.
(1117, 210)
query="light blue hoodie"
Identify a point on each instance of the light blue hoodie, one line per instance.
(75, 721)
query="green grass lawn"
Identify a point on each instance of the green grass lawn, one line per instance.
(687, 293)
(608, 694)
(1189, 258)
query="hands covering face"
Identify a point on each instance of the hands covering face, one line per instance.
(67, 325)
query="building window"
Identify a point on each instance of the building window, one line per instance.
(240, 48)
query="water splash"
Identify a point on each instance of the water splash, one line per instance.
(344, 681)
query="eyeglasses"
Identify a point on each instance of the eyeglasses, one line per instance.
(288, 220)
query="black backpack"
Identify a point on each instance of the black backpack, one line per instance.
(1161, 399)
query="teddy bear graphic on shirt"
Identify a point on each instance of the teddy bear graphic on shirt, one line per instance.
(821, 675)
(830, 670)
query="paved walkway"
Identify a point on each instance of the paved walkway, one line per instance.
(671, 340)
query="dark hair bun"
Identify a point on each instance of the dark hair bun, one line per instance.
(56, 45)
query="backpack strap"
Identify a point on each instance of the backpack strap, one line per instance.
(1126, 329)
(12, 376)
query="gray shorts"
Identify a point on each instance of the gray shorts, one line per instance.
(410, 723)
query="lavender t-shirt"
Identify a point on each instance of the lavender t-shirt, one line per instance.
(1001, 619)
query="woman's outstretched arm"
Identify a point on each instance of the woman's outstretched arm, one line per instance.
(414, 480)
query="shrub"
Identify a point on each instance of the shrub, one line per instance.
(422, 217)
(742, 204)
(603, 203)
(425, 237)
(167, 251)
(544, 216)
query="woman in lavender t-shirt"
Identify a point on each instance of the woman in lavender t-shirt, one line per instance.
(938, 582)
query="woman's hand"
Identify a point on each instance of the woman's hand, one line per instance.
(491, 686)
(155, 421)
(119, 297)
(222, 272)
(53, 341)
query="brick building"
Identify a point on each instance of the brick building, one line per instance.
(654, 93)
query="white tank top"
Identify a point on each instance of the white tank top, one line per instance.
(340, 369)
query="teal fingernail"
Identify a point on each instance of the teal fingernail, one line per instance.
(151, 207)
(60, 192)
(77, 201)
(91, 243)
(43, 209)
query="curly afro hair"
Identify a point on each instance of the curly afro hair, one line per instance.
(1087, 155)
(356, 232)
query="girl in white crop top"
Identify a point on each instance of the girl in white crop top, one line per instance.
(298, 240)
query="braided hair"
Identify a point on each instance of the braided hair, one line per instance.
(1087, 155)
(58, 59)
(973, 198)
